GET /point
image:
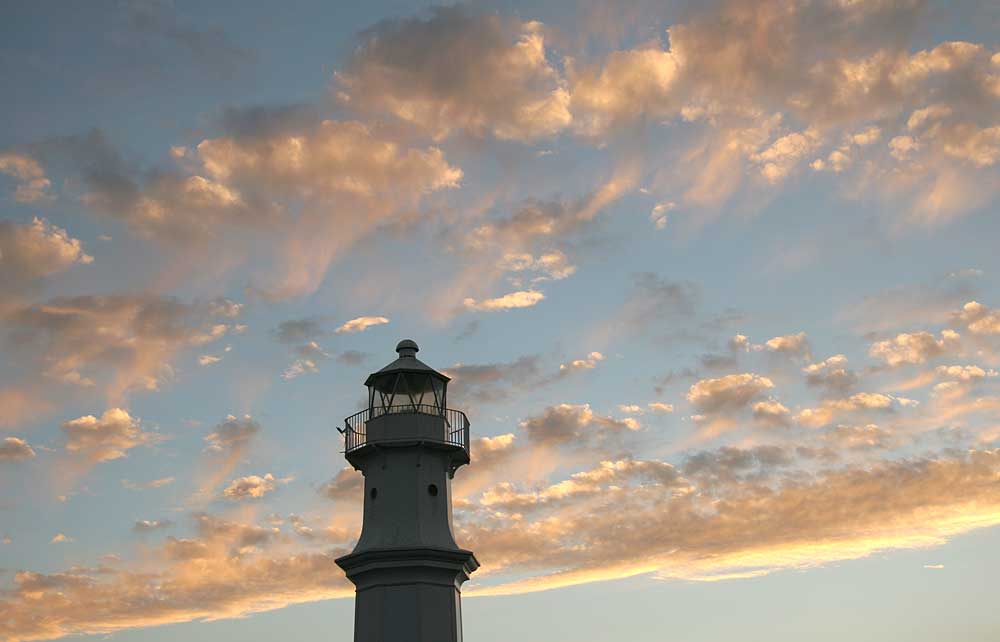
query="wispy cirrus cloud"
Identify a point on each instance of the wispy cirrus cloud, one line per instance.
(153, 483)
(121, 343)
(247, 181)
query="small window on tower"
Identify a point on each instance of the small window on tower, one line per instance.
(432, 490)
(373, 493)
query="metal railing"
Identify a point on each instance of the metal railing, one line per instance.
(456, 424)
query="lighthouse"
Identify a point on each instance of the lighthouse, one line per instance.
(407, 568)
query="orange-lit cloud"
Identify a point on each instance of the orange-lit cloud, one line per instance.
(105, 438)
(459, 70)
(675, 531)
(32, 183)
(513, 300)
(119, 343)
(228, 570)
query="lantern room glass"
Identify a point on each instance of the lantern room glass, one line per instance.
(396, 392)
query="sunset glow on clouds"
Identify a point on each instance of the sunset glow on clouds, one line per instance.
(715, 283)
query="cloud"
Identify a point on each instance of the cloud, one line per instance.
(771, 413)
(235, 534)
(932, 302)
(268, 184)
(61, 538)
(654, 299)
(763, 91)
(489, 382)
(573, 424)
(347, 484)
(794, 345)
(458, 70)
(251, 487)
(32, 183)
(902, 147)
(520, 299)
(106, 438)
(123, 342)
(228, 570)
(210, 48)
(39, 249)
(328, 534)
(299, 330)
(729, 393)
(506, 497)
(964, 373)
(739, 343)
(718, 361)
(226, 446)
(233, 436)
(913, 348)
(154, 483)
(830, 409)
(495, 457)
(657, 406)
(31, 252)
(866, 437)
(979, 319)
(492, 382)
(375, 177)
(468, 330)
(146, 525)
(309, 357)
(629, 85)
(301, 163)
(726, 513)
(730, 465)
(979, 147)
(552, 266)
(587, 363)
(658, 215)
(167, 205)
(777, 161)
(736, 517)
(360, 324)
(532, 245)
(832, 375)
(22, 403)
(13, 449)
(351, 357)
(491, 452)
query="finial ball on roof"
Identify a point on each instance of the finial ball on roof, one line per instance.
(407, 348)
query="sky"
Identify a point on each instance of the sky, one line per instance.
(715, 282)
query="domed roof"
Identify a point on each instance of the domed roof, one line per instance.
(406, 362)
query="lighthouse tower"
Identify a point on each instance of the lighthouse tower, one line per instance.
(407, 568)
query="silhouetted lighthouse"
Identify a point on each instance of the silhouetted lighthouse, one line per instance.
(407, 568)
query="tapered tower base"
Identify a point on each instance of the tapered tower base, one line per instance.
(408, 594)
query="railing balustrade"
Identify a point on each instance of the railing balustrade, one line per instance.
(456, 424)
